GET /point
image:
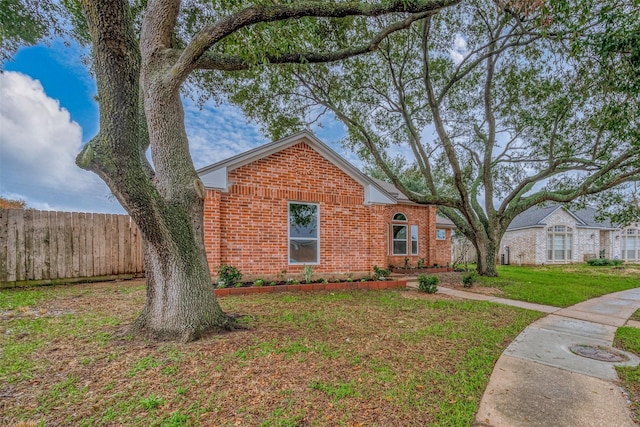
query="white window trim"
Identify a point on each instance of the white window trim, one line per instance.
(417, 240)
(406, 240)
(624, 243)
(393, 219)
(444, 232)
(568, 231)
(311, 238)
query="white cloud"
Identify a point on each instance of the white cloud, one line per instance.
(38, 145)
(218, 132)
(459, 49)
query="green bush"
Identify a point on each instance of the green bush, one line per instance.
(469, 279)
(428, 284)
(258, 282)
(229, 275)
(380, 273)
(604, 262)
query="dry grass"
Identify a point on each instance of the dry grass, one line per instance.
(328, 358)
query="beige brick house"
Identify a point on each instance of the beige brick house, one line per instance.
(554, 234)
(294, 202)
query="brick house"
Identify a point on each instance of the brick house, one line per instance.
(294, 202)
(554, 234)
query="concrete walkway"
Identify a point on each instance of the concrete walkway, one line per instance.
(538, 381)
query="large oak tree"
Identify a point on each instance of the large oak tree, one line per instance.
(143, 53)
(494, 107)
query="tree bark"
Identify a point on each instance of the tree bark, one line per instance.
(167, 205)
(487, 251)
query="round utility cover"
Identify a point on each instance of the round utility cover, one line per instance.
(602, 354)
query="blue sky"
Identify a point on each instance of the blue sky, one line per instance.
(48, 111)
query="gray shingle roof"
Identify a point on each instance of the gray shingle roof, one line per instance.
(391, 189)
(535, 217)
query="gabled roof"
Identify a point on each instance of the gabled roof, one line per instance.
(536, 217)
(216, 175)
(391, 189)
(442, 221)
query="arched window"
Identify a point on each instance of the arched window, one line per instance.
(559, 243)
(399, 235)
(630, 244)
(400, 217)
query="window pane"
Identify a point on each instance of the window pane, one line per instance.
(399, 247)
(303, 220)
(559, 228)
(399, 217)
(559, 254)
(414, 240)
(630, 243)
(301, 251)
(550, 254)
(558, 242)
(399, 232)
(631, 254)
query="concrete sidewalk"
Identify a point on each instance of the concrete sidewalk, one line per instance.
(539, 381)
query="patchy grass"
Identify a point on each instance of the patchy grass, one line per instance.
(561, 285)
(322, 359)
(628, 339)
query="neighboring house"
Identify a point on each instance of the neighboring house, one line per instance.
(557, 235)
(294, 202)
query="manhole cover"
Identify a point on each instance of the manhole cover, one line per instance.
(602, 354)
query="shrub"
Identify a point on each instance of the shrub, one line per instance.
(307, 273)
(469, 279)
(229, 274)
(604, 262)
(380, 273)
(258, 282)
(428, 284)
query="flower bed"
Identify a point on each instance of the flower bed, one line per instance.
(425, 270)
(312, 287)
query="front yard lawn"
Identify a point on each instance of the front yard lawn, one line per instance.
(561, 285)
(628, 339)
(324, 359)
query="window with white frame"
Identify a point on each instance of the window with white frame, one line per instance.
(630, 244)
(441, 234)
(304, 233)
(399, 235)
(414, 239)
(559, 243)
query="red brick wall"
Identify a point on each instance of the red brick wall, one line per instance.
(443, 249)
(247, 227)
(425, 218)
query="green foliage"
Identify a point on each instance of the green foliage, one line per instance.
(307, 273)
(604, 262)
(258, 282)
(542, 96)
(428, 284)
(380, 273)
(229, 274)
(469, 279)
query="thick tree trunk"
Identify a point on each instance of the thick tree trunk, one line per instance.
(180, 300)
(487, 252)
(166, 204)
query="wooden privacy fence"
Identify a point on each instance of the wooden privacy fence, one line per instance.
(48, 247)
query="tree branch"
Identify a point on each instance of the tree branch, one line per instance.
(212, 34)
